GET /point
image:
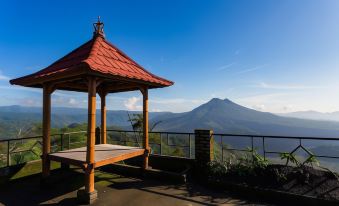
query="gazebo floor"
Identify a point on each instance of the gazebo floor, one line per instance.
(104, 154)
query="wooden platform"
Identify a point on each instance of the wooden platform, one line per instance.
(104, 154)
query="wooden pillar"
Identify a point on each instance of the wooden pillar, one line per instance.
(89, 183)
(46, 129)
(103, 118)
(144, 92)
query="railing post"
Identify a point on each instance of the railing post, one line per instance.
(69, 141)
(189, 146)
(222, 148)
(62, 142)
(263, 147)
(160, 143)
(63, 165)
(252, 149)
(8, 154)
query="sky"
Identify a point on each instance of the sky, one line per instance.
(272, 56)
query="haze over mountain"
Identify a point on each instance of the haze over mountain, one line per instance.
(314, 115)
(223, 116)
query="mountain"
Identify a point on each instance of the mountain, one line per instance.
(331, 116)
(225, 116)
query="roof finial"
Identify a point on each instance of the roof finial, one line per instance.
(98, 28)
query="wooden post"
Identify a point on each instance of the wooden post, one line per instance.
(46, 129)
(144, 92)
(89, 183)
(103, 118)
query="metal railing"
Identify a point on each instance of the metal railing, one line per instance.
(271, 147)
(161, 143)
(21, 150)
(16, 151)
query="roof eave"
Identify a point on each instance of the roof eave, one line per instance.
(32, 80)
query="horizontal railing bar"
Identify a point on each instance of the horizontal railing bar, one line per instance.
(242, 150)
(18, 139)
(20, 151)
(187, 133)
(325, 156)
(40, 136)
(276, 137)
(130, 131)
(321, 156)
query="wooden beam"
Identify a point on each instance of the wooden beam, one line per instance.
(73, 85)
(119, 158)
(144, 92)
(89, 183)
(46, 128)
(68, 161)
(103, 132)
(98, 163)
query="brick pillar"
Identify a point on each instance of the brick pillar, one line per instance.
(203, 146)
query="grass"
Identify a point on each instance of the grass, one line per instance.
(27, 169)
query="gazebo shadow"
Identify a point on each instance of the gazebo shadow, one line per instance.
(29, 191)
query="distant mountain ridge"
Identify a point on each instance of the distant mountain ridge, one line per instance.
(63, 116)
(223, 116)
(313, 115)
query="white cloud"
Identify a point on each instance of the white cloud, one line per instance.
(286, 86)
(156, 110)
(72, 101)
(132, 103)
(252, 69)
(176, 101)
(61, 101)
(260, 107)
(14, 87)
(226, 66)
(30, 102)
(287, 108)
(3, 77)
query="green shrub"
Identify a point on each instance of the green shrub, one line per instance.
(249, 164)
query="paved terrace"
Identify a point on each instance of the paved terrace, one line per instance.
(113, 190)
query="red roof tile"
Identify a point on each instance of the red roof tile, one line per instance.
(103, 57)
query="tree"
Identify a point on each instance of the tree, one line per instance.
(137, 122)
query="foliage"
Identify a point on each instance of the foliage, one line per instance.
(250, 163)
(218, 169)
(279, 176)
(137, 122)
(18, 158)
(312, 160)
(289, 158)
(252, 160)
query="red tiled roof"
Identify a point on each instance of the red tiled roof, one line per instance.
(98, 55)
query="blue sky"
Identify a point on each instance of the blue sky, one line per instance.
(274, 56)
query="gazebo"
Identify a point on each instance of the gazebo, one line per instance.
(95, 67)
